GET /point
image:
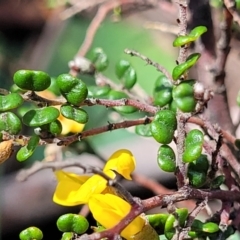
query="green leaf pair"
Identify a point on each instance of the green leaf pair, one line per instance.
(72, 223)
(169, 228)
(73, 89)
(163, 126)
(77, 114)
(197, 171)
(98, 91)
(115, 95)
(31, 233)
(126, 73)
(200, 229)
(162, 93)
(99, 59)
(143, 130)
(166, 158)
(32, 80)
(183, 96)
(191, 37)
(193, 146)
(54, 127)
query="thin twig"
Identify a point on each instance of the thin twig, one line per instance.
(163, 27)
(150, 62)
(38, 166)
(109, 127)
(31, 96)
(223, 46)
(181, 173)
(182, 24)
(92, 29)
(137, 93)
(78, 7)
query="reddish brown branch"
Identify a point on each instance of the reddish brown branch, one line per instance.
(23, 140)
(231, 6)
(109, 127)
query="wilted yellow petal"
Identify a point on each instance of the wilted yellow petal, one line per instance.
(109, 210)
(123, 162)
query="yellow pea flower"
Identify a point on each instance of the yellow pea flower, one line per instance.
(108, 210)
(123, 162)
(75, 190)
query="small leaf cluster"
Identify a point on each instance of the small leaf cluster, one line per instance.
(165, 223)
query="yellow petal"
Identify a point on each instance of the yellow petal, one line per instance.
(95, 184)
(69, 125)
(123, 162)
(63, 176)
(66, 192)
(109, 209)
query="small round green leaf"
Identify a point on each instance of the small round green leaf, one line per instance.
(183, 40)
(163, 126)
(143, 130)
(67, 236)
(26, 151)
(54, 127)
(217, 182)
(198, 31)
(100, 59)
(130, 78)
(162, 93)
(169, 229)
(166, 158)
(182, 216)
(193, 145)
(210, 227)
(196, 179)
(31, 233)
(77, 114)
(183, 95)
(201, 164)
(32, 80)
(72, 223)
(157, 221)
(10, 123)
(114, 95)
(191, 37)
(10, 101)
(41, 116)
(98, 91)
(73, 89)
(121, 68)
(126, 73)
(179, 70)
